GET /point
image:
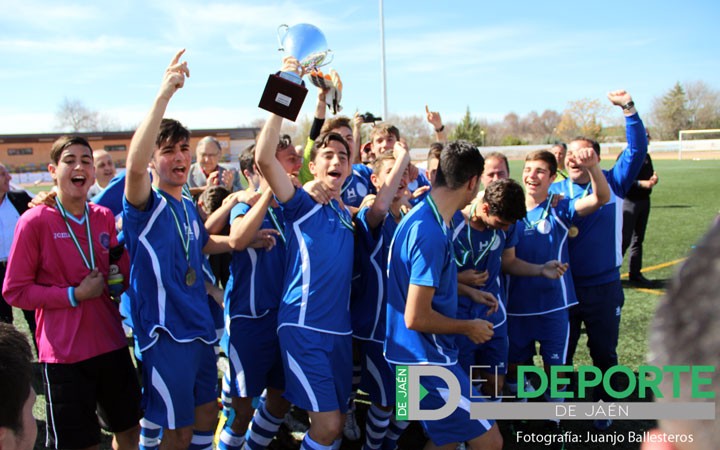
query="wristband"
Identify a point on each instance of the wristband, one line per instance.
(441, 129)
(628, 106)
(71, 297)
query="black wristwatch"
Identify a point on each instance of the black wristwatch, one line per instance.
(628, 106)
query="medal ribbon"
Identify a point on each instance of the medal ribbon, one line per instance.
(346, 223)
(437, 215)
(530, 225)
(585, 192)
(276, 223)
(471, 252)
(88, 260)
(185, 242)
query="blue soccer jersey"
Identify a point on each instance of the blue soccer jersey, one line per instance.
(318, 266)
(369, 295)
(357, 185)
(481, 250)
(596, 251)
(164, 295)
(255, 283)
(542, 236)
(421, 254)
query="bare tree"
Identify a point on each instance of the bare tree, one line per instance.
(583, 117)
(703, 104)
(73, 116)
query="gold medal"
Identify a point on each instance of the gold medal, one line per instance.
(573, 231)
(190, 276)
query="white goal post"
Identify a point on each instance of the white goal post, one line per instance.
(711, 145)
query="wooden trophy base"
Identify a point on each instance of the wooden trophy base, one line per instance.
(283, 97)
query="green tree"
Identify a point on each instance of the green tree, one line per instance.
(670, 113)
(469, 129)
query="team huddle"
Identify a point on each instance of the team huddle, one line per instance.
(345, 263)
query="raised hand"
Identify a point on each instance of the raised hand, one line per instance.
(174, 78)
(433, 118)
(584, 157)
(619, 97)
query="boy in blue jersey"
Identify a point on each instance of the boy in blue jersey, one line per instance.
(484, 247)
(537, 307)
(596, 241)
(314, 317)
(166, 239)
(422, 298)
(375, 227)
(252, 298)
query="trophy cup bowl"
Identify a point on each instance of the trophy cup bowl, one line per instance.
(284, 92)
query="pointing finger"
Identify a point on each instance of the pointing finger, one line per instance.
(177, 56)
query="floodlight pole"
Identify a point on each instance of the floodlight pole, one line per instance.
(382, 62)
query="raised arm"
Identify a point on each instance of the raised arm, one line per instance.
(387, 191)
(630, 161)
(243, 229)
(587, 158)
(142, 145)
(216, 221)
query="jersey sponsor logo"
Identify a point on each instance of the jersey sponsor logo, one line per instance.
(196, 230)
(61, 235)
(351, 195)
(362, 190)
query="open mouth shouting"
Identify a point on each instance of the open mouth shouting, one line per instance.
(78, 180)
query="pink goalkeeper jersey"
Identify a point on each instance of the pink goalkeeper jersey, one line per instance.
(43, 263)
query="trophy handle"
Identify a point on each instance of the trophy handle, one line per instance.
(328, 57)
(280, 38)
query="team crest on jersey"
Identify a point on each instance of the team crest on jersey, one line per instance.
(104, 239)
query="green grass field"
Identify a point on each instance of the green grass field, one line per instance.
(684, 204)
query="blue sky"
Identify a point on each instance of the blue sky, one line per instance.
(495, 57)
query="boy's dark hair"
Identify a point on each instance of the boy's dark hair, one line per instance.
(543, 155)
(460, 161)
(64, 142)
(506, 200)
(435, 150)
(335, 123)
(593, 143)
(247, 159)
(324, 139)
(212, 198)
(15, 376)
(499, 155)
(171, 132)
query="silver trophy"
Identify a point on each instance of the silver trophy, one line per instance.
(284, 92)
